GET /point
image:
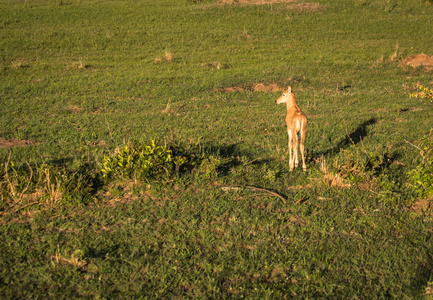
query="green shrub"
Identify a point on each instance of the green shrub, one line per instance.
(422, 175)
(423, 92)
(141, 161)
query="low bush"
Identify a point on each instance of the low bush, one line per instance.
(422, 175)
(141, 161)
(423, 92)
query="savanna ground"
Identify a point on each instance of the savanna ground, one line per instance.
(92, 208)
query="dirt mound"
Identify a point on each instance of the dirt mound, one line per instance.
(298, 6)
(258, 87)
(307, 7)
(231, 89)
(254, 2)
(419, 60)
(14, 143)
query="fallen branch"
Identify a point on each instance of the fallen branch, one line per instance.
(300, 200)
(18, 209)
(24, 206)
(413, 145)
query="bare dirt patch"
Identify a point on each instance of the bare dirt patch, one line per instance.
(231, 89)
(14, 143)
(306, 7)
(254, 2)
(217, 65)
(74, 109)
(258, 87)
(423, 206)
(415, 61)
(298, 6)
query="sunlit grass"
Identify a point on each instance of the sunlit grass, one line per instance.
(82, 78)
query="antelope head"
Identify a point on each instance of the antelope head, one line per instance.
(285, 96)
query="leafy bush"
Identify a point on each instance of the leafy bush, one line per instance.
(423, 92)
(141, 161)
(422, 175)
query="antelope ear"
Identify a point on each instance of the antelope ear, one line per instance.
(289, 90)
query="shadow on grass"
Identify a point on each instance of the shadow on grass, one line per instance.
(352, 138)
(101, 253)
(421, 282)
(226, 157)
(356, 136)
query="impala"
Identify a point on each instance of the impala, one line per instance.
(296, 122)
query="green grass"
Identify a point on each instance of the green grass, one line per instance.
(82, 78)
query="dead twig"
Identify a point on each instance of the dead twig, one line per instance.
(300, 200)
(252, 188)
(109, 130)
(18, 209)
(413, 145)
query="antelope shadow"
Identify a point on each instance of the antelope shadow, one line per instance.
(352, 138)
(356, 136)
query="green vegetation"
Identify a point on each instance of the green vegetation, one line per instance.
(422, 175)
(424, 92)
(155, 161)
(140, 162)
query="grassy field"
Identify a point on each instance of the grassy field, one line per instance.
(85, 83)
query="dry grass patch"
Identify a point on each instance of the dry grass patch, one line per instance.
(75, 259)
(78, 66)
(217, 65)
(17, 64)
(168, 57)
(332, 179)
(74, 109)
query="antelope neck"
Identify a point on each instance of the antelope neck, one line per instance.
(291, 102)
